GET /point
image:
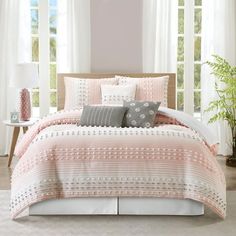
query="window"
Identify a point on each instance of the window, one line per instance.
(35, 46)
(180, 57)
(189, 56)
(197, 57)
(43, 34)
(53, 54)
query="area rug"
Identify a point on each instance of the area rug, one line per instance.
(206, 225)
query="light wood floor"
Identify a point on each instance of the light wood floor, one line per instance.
(5, 173)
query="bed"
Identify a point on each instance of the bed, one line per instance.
(170, 169)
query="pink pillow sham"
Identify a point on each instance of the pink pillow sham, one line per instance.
(149, 89)
(80, 92)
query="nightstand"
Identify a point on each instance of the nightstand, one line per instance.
(16, 130)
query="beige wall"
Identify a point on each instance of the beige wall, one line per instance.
(116, 35)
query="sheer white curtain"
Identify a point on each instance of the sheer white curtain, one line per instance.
(218, 37)
(73, 36)
(14, 48)
(160, 25)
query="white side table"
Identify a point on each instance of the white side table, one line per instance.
(22, 124)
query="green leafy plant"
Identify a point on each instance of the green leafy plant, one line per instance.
(225, 86)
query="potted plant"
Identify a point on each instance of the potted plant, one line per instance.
(225, 105)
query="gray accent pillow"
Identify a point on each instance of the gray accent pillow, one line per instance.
(102, 116)
(140, 114)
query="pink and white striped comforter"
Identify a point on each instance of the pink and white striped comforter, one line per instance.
(59, 159)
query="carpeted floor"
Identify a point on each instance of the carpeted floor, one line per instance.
(209, 224)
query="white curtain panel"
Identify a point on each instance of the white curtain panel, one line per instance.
(73, 36)
(218, 37)
(160, 28)
(14, 48)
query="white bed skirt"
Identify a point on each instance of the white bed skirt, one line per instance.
(117, 206)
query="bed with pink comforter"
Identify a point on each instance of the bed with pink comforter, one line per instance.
(60, 159)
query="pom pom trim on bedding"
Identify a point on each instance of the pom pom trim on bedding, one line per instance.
(174, 159)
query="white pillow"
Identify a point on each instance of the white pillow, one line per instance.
(80, 92)
(116, 94)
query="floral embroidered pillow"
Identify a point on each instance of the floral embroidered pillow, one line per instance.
(140, 114)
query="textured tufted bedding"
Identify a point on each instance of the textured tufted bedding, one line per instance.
(59, 159)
